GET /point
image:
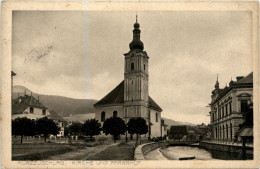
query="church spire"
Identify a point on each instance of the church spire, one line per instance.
(217, 83)
(136, 42)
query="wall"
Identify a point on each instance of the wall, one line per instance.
(143, 149)
(109, 112)
(156, 127)
(223, 147)
(234, 117)
(37, 114)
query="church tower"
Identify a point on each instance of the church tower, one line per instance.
(136, 78)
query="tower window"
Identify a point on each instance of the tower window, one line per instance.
(115, 114)
(103, 116)
(156, 117)
(144, 66)
(132, 66)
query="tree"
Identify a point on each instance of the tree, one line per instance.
(46, 126)
(66, 131)
(114, 126)
(23, 127)
(91, 127)
(75, 128)
(137, 126)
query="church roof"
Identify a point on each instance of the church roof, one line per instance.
(116, 96)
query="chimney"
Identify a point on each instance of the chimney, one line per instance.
(239, 77)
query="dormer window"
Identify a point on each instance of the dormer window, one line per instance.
(132, 66)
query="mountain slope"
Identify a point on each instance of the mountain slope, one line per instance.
(171, 122)
(63, 106)
(80, 109)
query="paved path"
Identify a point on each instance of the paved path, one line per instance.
(81, 154)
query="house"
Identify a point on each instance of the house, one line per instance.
(31, 108)
(163, 129)
(178, 132)
(227, 106)
(28, 106)
(131, 98)
(59, 121)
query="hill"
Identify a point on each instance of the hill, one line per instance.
(63, 106)
(171, 122)
(74, 109)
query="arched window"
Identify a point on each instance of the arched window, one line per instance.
(156, 117)
(115, 114)
(132, 66)
(103, 116)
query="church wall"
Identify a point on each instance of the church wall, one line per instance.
(109, 112)
(156, 127)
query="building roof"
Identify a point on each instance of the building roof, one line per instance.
(247, 79)
(178, 130)
(54, 116)
(246, 132)
(116, 96)
(21, 103)
(244, 82)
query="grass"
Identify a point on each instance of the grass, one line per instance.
(122, 151)
(40, 151)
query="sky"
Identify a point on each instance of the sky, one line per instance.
(80, 54)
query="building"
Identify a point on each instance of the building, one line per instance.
(31, 108)
(59, 121)
(163, 128)
(28, 106)
(131, 97)
(178, 132)
(227, 106)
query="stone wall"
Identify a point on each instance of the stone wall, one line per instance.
(143, 149)
(223, 147)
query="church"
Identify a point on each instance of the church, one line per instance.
(131, 97)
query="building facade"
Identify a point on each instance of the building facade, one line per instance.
(131, 97)
(227, 106)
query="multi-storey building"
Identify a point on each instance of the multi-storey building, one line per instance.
(227, 106)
